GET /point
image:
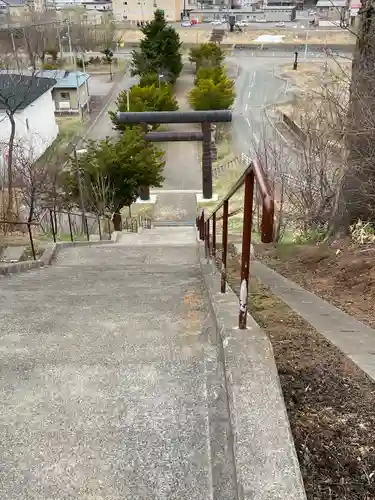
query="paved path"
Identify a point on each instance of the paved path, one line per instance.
(352, 337)
(182, 170)
(102, 126)
(103, 389)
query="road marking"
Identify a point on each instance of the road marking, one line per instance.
(256, 138)
(246, 107)
(253, 80)
(248, 121)
(249, 94)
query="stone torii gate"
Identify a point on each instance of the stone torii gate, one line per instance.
(205, 118)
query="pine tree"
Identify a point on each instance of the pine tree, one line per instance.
(160, 50)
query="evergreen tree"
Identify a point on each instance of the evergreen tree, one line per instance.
(151, 98)
(160, 50)
(122, 165)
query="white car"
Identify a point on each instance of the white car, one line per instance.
(261, 21)
(242, 24)
(280, 25)
(216, 22)
(186, 24)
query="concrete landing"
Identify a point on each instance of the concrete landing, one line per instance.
(352, 337)
(175, 207)
(103, 386)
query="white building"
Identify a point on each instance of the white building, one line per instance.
(35, 123)
(143, 10)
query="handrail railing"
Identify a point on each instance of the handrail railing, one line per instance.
(53, 222)
(252, 176)
(24, 223)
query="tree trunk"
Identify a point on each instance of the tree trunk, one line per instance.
(356, 194)
(117, 221)
(10, 208)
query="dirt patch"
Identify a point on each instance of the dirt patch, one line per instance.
(344, 274)
(328, 398)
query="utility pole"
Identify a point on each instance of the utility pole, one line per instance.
(15, 50)
(73, 59)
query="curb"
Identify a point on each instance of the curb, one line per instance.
(51, 251)
(265, 459)
(19, 267)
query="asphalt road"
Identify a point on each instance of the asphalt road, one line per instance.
(256, 87)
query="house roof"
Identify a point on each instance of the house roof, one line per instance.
(19, 91)
(331, 3)
(65, 79)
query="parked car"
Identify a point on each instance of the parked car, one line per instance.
(186, 24)
(216, 22)
(281, 24)
(242, 23)
(261, 21)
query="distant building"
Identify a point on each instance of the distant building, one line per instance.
(36, 126)
(269, 13)
(331, 9)
(70, 93)
(143, 10)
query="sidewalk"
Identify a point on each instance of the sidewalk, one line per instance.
(353, 338)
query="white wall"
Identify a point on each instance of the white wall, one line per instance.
(36, 127)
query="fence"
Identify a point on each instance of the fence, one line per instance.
(252, 178)
(218, 169)
(28, 225)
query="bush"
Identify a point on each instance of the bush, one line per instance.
(151, 98)
(149, 79)
(49, 66)
(206, 55)
(216, 92)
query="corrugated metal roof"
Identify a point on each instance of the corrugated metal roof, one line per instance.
(65, 79)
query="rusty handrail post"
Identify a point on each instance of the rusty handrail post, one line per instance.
(70, 227)
(31, 240)
(207, 238)
(246, 247)
(267, 222)
(55, 218)
(201, 226)
(52, 226)
(87, 228)
(224, 247)
(214, 235)
(99, 228)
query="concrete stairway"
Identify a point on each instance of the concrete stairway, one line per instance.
(217, 35)
(113, 383)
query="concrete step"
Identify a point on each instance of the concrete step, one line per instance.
(103, 384)
(161, 235)
(173, 223)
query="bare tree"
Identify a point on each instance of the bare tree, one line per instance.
(16, 92)
(356, 194)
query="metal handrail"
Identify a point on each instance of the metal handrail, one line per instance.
(252, 176)
(28, 224)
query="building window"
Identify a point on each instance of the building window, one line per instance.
(65, 95)
(27, 124)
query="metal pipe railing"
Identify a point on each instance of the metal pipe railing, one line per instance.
(28, 224)
(253, 179)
